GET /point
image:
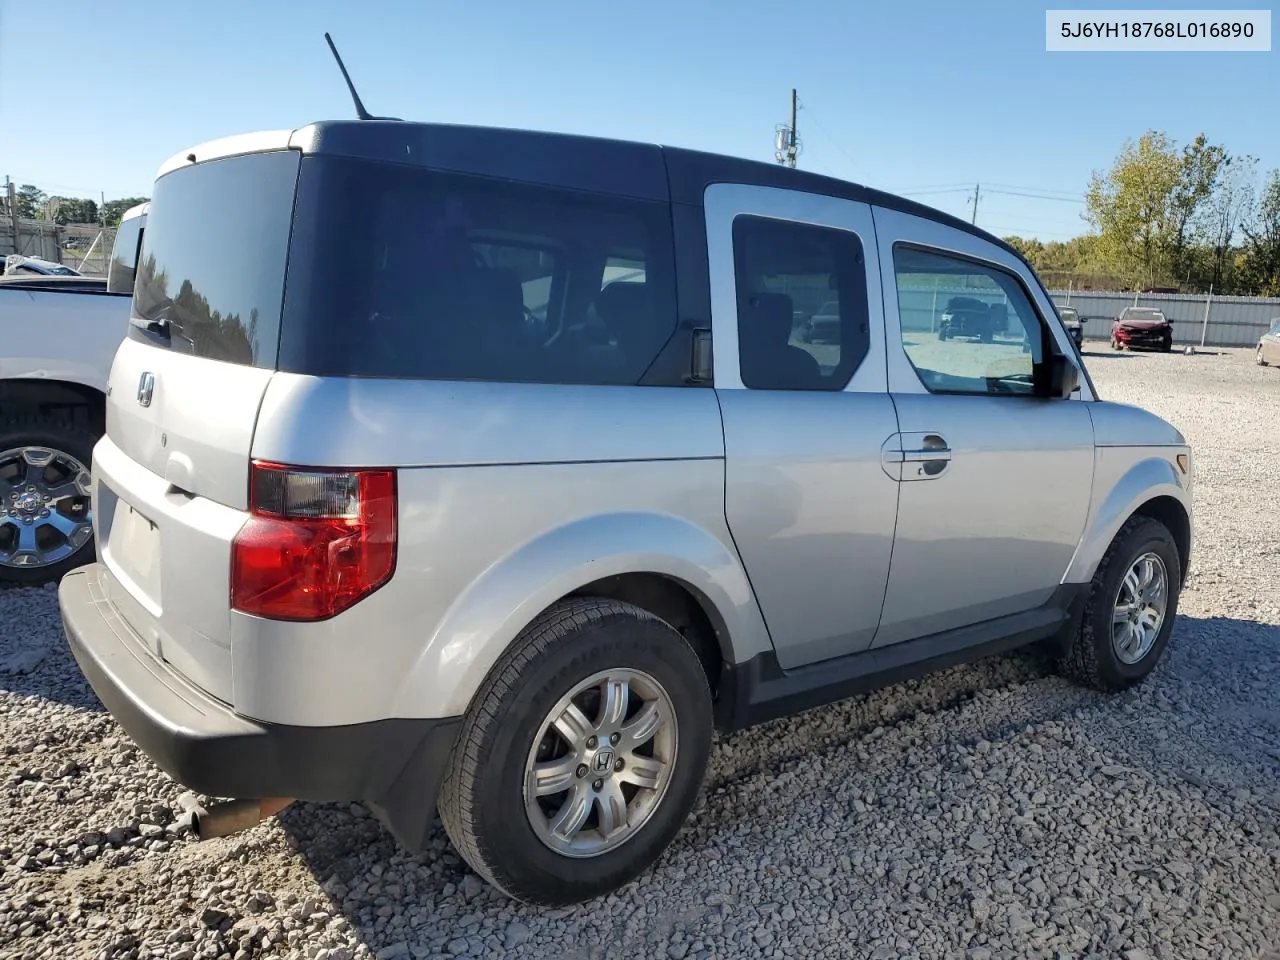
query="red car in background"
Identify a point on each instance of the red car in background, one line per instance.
(1143, 327)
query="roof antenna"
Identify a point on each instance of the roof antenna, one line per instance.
(361, 112)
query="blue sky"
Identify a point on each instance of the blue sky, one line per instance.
(909, 97)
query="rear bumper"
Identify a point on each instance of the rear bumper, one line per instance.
(393, 765)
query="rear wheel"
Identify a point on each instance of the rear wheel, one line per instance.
(1129, 614)
(46, 516)
(582, 754)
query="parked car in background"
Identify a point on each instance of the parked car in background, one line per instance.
(18, 265)
(966, 317)
(823, 326)
(382, 540)
(58, 335)
(1269, 345)
(1143, 327)
(1074, 324)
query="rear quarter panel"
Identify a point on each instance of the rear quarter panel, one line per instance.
(510, 496)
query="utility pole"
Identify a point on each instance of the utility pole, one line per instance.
(786, 140)
(12, 197)
(977, 189)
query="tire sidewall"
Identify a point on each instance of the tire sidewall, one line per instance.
(1149, 538)
(72, 439)
(646, 644)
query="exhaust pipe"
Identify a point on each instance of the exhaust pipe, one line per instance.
(232, 816)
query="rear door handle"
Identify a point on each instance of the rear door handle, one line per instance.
(929, 451)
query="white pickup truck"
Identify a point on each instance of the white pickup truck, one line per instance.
(58, 336)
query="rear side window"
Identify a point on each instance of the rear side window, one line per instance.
(802, 304)
(124, 256)
(401, 272)
(211, 272)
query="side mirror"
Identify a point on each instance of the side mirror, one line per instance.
(1064, 377)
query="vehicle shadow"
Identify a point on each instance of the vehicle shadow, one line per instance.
(1208, 717)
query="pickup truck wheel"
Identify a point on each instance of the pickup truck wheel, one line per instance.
(1129, 614)
(582, 753)
(46, 515)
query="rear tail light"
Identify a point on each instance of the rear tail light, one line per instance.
(316, 541)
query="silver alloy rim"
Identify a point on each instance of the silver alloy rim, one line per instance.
(45, 510)
(1139, 609)
(601, 763)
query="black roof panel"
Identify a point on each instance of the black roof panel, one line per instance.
(642, 170)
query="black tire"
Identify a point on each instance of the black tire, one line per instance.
(1258, 357)
(1091, 658)
(481, 800)
(76, 440)
(943, 333)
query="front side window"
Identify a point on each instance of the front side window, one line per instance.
(802, 304)
(967, 327)
(397, 271)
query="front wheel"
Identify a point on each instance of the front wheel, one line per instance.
(582, 754)
(46, 516)
(1258, 358)
(1129, 614)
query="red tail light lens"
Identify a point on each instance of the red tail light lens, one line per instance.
(316, 542)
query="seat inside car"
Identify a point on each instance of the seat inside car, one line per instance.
(768, 358)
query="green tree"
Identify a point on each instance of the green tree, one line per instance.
(30, 199)
(76, 210)
(1230, 206)
(1259, 264)
(1146, 207)
(113, 210)
(1199, 168)
(1129, 206)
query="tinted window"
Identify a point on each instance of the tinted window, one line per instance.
(966, 327)
(802, 304)
(124, 256)
(401, 272)
(1142, 313)
(211, 271)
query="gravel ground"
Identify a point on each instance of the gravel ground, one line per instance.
(990, 811)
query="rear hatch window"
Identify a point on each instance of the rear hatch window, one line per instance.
(211, 277)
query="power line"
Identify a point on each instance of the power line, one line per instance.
(1037, 190)
(1035, 196)
(836, 143)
